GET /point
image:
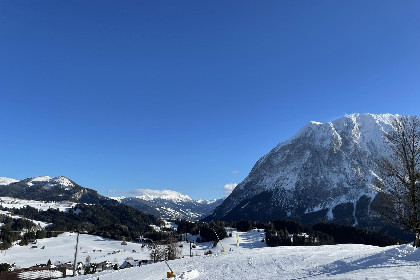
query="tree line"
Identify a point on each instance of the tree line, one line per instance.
(109, 221)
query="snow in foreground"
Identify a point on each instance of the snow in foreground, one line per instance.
(251, 260)
(323, 262)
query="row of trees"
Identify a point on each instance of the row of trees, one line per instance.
(12, 229)
(288, 232)
(110, 221)
(212, 231)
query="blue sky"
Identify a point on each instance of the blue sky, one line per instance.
(188, 95)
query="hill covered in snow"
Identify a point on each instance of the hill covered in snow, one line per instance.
(46, 188)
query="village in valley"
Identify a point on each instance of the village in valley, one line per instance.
(55, 257)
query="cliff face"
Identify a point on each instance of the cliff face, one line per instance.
(325, 172)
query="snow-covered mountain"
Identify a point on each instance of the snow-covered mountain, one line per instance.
(46, 188)
(171, 205)
(324, 172)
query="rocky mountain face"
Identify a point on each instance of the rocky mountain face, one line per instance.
(46, 188)
(179, 207)
(325, 172)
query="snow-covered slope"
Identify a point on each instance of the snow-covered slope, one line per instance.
(13, 203)
(6, 181)
(50, 182)
(326, 170)
(61, 248)
(344, 262)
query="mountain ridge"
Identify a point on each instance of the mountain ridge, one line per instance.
(172, 207)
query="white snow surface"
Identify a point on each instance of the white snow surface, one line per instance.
(251, 260)
(6, 181)
(63, 181)
(342, 262)
(118, 198)
(10, 202)
(60, 180)
(41, 179)
(324, 262)
(149, 194)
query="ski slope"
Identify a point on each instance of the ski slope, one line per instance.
(315, 263)
(251, 260)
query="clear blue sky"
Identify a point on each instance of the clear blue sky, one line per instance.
(188, 95)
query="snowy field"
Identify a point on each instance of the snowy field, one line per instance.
(62, 248)
(10, 202)
(323, 262)
(251, 260)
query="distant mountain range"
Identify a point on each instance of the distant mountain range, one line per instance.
(324, 172)
(170, 205)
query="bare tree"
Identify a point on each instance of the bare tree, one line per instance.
(167, 250)
(400, 174)
(158, 253)
(173, 249)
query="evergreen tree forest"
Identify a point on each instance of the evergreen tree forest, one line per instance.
(109, 221)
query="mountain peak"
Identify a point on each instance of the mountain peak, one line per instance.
(322, 166)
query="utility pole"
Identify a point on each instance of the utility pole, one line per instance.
(75, 255)
(190, 249)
